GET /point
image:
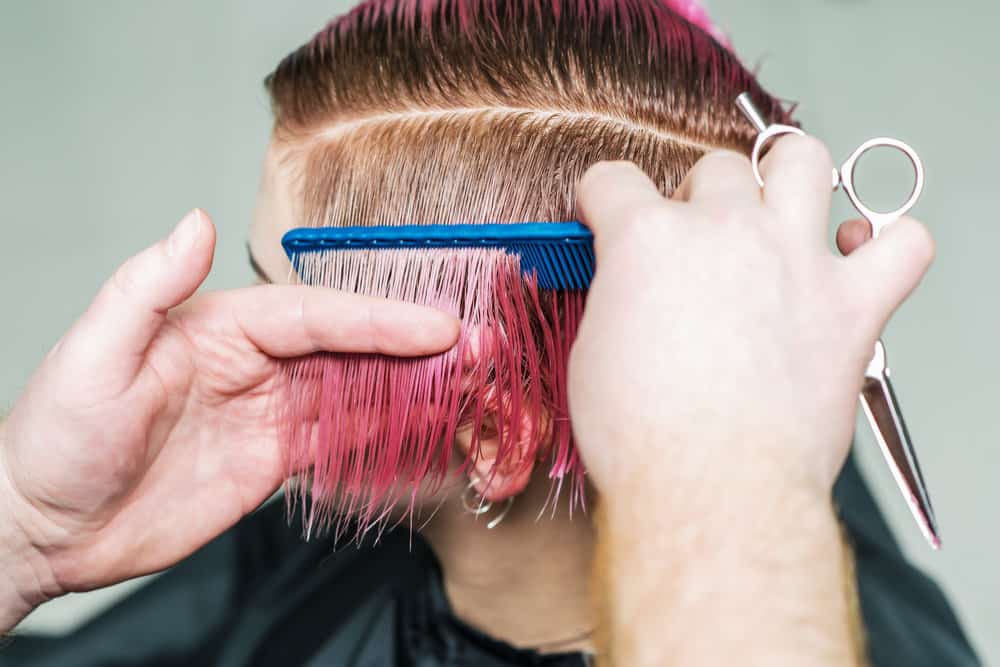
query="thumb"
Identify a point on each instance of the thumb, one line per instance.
(132, 305)
(890, 267)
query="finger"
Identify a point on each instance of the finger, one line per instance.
(723, 177)
(131, 306)
(609, 193)
(889, 268)
(797, 175)
(851, 234)
(292, 320)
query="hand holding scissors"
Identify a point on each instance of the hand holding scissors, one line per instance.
(877, 396)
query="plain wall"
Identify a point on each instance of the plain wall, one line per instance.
(118, 116)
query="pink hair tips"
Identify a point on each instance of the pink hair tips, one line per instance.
(694, 12)
(364, 434)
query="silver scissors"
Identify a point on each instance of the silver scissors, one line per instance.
(877, 396)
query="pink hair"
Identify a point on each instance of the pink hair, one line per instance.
(368, 431)
(473, 111)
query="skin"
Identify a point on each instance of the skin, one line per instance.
(183, 382)
(529, 602)
(744, 373)
(184, 385)
(489, 581)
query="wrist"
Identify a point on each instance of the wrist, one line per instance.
(718, 486)
(26, 580)
(759, 563)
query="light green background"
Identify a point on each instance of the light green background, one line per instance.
(118, 116)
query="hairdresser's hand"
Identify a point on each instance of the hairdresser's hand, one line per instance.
(721, 337)
(713, 388)
(148, 430)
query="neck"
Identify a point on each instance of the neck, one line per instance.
(526, 582)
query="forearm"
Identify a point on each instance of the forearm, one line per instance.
(23, 572)
(724, 575)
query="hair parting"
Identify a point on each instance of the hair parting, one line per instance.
(472, 111)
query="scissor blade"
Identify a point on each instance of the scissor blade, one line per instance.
(882, 409)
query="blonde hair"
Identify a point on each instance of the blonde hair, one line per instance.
(407, 112)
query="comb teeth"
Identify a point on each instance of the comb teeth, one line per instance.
(561, 253)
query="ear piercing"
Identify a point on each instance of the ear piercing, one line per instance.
(475, 504)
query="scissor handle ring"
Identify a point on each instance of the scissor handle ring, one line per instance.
(878, 219)
(771, 132)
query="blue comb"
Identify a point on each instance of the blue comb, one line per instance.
(561, 253)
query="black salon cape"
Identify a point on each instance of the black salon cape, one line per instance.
(258, 595)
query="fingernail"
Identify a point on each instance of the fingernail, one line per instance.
(185, 234)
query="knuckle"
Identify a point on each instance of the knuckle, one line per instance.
(302, 314)
(604, 169)
(123, 281)
(624, 166)
(380, 331)
(638, 229)
(727, 157)
(719, 160)
(809, 149)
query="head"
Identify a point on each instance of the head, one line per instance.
(469, 111)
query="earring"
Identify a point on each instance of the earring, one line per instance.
(476, 505)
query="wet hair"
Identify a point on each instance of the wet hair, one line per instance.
(473, 111)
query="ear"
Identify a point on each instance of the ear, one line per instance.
(498, 467)
(499, 472)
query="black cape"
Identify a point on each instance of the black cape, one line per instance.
(260, 596)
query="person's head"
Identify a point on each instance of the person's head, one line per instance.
(470, 111)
